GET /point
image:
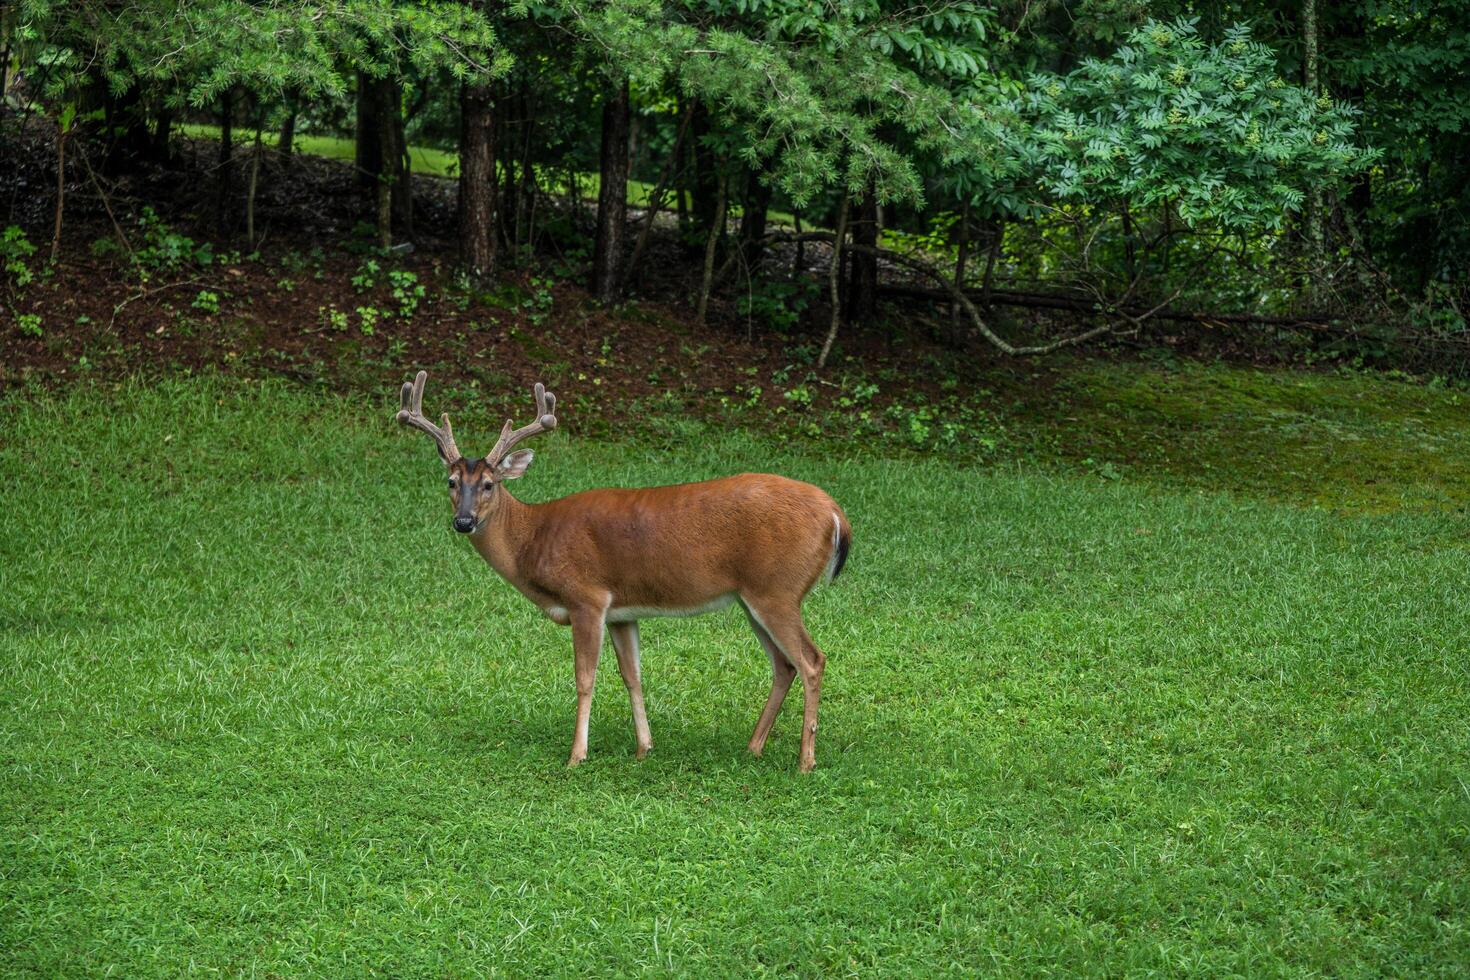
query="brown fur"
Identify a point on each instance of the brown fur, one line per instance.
(765, 540)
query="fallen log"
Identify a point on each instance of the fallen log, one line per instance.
(1079, 304)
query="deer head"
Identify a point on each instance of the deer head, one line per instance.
(473, 482)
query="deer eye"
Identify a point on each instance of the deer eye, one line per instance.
(453, 483)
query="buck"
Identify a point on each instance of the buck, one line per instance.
(605, 559)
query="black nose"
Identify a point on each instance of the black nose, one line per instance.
(464, 525)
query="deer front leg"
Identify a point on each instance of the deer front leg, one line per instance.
(587, 627)
(625, 642)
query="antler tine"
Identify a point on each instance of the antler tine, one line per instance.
(545, 422)
(411, 413)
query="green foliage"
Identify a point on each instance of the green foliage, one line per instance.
(29, 324)
(161, 249)
(778, 304)
(1047, 116)
(367, 319)
(332, 318)
(366, 276)
(821, 95)
(1210, 128)
(1404, 61)
(193, 52)
(407, 291)
(15, 249)
(206, 301)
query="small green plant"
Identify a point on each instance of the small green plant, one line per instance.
(801, 396)
(332, 318)
(15, 248)
(368, 317)
(408, 292)
(861, 393)
(29, 323)
(366, 276)
(164, 250)
(459, 291)
(206, 301)
(538, 307)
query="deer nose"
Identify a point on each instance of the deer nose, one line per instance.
(464, 525)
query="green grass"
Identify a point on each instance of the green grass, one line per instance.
(1347, 441)
(262, 712)
(426, 159)
(443, 163)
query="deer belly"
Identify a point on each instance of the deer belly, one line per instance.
(629, 614)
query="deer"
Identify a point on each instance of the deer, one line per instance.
(601, 560)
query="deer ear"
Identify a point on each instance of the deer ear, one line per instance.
(514, 465)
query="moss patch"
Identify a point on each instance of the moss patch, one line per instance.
(1348, 442)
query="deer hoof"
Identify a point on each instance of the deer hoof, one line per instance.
(643, 750)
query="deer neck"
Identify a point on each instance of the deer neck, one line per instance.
(500, 539)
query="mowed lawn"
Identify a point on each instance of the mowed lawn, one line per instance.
(262, 712)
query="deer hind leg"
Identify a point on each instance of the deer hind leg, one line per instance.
(781, 620)
(587, 626)
(782, 674)
(625, 642)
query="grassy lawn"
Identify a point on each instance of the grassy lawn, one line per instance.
(426, 159)
(262, 712)
(1341, 440)
(443, 163)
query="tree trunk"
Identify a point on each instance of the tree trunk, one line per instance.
(287, 143)
(387, 152)
(477, 238)
(656, 199)
(834, 283)
(158, 151)
(1347, 27)
(225, 179)
(681, 181)
(526, 178)
(369, 153)
(574, 201)
(998, 237)
(250, 194)
(863, 297)
(612, 196)
(397, 162)
(753, 220)
(125, 122)
(706, 177)
(711, 245)
(962, 255)
(1130, 254)
(1315, 212)
(60, 190)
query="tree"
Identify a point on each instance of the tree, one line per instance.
(477, 238)
(612, 196)
(190, 55)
